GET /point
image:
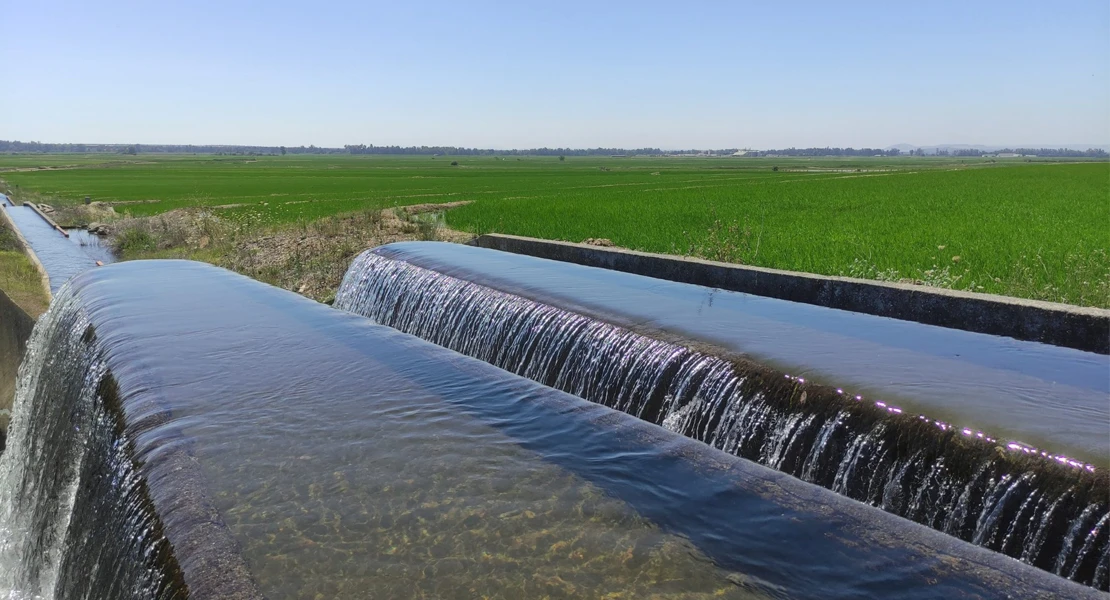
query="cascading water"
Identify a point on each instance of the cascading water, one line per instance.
(76, 520)
(1045, 512)
(183, 431)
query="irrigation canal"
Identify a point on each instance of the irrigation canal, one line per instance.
(180, 430)
(61, 254)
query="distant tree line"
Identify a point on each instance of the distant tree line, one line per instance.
(16, 146)
(1050, 152)
(457, 151)
(826, 152)
(131, 149)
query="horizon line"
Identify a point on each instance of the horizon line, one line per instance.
(1071, 147)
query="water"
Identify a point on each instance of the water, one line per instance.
(93, 245)
(70, 494)
(168, 403)
(1044, 396)
(61, 258)
(960, 481)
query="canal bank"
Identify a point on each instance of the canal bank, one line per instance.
(1076, 327)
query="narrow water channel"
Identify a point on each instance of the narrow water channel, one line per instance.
(349, 460)
(61, 258)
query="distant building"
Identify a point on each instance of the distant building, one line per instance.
(1008, 155)
(741, 153)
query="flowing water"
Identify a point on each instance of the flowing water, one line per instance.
(181, 430)
(61, 258)
(93, 245)
(1046, 509)
(1041, 395)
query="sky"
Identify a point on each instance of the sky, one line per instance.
(560, 73)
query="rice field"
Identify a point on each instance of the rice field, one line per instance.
(1037, 230)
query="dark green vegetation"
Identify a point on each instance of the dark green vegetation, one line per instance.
(1037, 230)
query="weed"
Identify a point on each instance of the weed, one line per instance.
(134, 241)
(723, 242)
(862, 268)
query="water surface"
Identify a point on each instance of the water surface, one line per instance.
(61, 258)
(1046, 396)
(95, 246)
(349, 460)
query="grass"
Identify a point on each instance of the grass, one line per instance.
(1037, 230)
(19, 279)
(308, 258)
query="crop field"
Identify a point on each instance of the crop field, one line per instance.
(1038, 230)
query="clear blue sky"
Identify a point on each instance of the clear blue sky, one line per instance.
(557, 73)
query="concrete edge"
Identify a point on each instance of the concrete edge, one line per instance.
(15, 330)
(29, 252)
(49, 221)
(1081, 328)
(201, 544)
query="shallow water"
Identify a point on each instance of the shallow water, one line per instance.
(350, 460)
(61, 258)
(960, 482)
(1049, 397)
(95, 246)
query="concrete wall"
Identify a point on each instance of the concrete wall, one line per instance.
(1059, 324)
(15, 328)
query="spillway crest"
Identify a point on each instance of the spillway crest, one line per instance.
(76, 517)
(185, 432)
(1046, 513)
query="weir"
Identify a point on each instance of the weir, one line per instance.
(740, 374)
(181, 431)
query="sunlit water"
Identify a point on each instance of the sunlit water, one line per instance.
(1046, 396)
(164, 403)
(61, 258)
(1041, 509)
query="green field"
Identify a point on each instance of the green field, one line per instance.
(1038, 230)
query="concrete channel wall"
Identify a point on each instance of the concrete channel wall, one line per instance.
(15, 329)
(1076, 327)
(38, 211)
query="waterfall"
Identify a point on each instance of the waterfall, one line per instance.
(1029, 505)
(76, 518)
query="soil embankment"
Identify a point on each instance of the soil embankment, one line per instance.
(307, 258)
